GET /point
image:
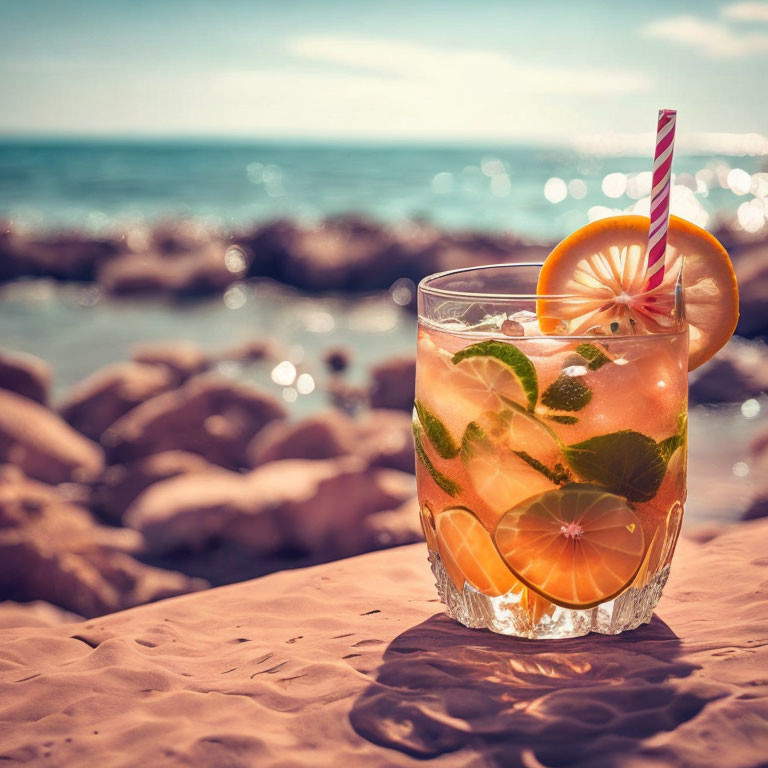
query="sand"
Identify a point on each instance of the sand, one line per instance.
(353, 664)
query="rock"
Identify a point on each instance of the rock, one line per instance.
(183, 359)
(737, 372)
(758, 465)
(751, 267)
(62, 256)
(99, 401)
(209, 415)
(26, 375)
(393, 383)
(34, 614)
(395, 527)
(322, 436)
(337, 359)
(198, 273)
(52, 550)
(251, 351)
(347, 397)
(311, 507)
(122, 483)
(43, 445)
(385, 439)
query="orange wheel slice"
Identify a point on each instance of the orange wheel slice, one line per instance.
(602, 265)
(577, 546)
(468, 554)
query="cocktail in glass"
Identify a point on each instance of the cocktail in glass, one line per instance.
(550, 467)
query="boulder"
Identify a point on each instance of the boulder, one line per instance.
(385, 439)
(43, 445)
(182, 359)
(307, 507)
(209, 415)
(26, 375)
(52, 550)
(393, 383)
(186, 274)
(62, 256)
(122, 483)
(394, 527)
(751, 267)
(322, 436)
(35, 614)
(737, 372)
(100, 400)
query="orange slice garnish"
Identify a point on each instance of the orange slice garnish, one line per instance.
(603, 266)
(577, 546)
(468, 554)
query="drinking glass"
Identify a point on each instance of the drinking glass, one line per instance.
(550, 468)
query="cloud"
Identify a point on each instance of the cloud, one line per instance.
(709, 38)
(746, 11)
(457, 69)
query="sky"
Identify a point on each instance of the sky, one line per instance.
(466, 70)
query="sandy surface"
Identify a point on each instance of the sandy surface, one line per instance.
(352, 664)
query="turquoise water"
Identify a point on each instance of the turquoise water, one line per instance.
(93, 184)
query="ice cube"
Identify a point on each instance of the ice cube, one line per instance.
(512, 328)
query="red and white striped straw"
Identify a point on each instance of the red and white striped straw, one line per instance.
(660, 189)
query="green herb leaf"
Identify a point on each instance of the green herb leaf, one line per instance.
(626, 463)
(670, 445)
(445, 483)
(513, 358)
(566, 393)
(436, 433)
(597, 357)
(473, 434)
(562, 418)
(558, 475)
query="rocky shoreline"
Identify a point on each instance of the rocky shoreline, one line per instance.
(158, 475)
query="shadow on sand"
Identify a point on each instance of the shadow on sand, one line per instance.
(442, 687)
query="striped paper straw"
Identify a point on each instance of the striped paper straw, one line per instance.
(660, 189)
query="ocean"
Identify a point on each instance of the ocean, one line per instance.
(97, 184)
(539, 193)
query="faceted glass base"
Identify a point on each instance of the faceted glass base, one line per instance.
(507, 616)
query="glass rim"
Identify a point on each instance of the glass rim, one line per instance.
(425, 288)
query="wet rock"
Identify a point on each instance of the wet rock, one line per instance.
(72, 256)
(751, 267)
(43, 445)
(322, 436)
(251, 351)
(122, 483)
(26, 375)
(99, 401)
(312, 507)
(385, 439)
(209, 415)
(347, 397)
(52, 550)
(395, 527)
(337, 359)
(183, 359)
(393, 383)
(198, 273)
(737, 372)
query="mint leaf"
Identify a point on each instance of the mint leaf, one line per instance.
(436, 432)
(566, 393)
(513, 358)
(562, 418)
(558, 475)
(443, 482)
(626, 463)
(473, 434)
(597, 357)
